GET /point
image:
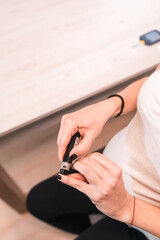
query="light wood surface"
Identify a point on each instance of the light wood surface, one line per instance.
(54, 53)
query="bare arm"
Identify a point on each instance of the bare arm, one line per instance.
(90, 120)
(130, 95)
(147, 217)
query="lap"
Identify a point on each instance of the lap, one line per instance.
(53, 198)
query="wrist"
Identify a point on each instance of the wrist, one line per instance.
(122, 103)
(126, 211)
(115, 104)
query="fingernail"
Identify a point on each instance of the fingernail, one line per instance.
(58, 176)
(73, 157)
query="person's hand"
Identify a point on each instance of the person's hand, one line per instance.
(89, 121)
(101, 180)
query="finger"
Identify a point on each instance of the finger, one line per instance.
(105, 162)
(94, 165)
(84, 144)
(87, 172)
(75, 183)
(67, 130)
(78, 176)
(108, 179)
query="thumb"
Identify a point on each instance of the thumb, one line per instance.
(84, 145)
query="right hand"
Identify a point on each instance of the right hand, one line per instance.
(89, 121)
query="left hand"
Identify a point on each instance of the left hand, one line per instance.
(101, 180)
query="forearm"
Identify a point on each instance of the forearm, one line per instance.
(147, 217)
(112, 106)
(130, 96)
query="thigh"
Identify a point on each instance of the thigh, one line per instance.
(51, 198)
(110, 229)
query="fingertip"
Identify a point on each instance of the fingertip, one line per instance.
(78, 150)
(73, 157)
(62, 178)
(59, 176)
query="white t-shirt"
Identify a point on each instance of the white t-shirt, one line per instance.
(136, 148)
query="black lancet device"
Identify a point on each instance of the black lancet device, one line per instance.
(67, 160)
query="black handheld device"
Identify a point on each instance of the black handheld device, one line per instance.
(67, 160)
(151, 37)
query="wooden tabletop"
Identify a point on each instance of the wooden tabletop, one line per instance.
(54, 53)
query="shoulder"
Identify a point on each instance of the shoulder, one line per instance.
(148, 102)
(152, 81)
(150, 88)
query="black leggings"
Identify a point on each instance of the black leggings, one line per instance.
(67, 208)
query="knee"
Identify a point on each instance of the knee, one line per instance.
(32, 203)
(38, 202)
(42, 200)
